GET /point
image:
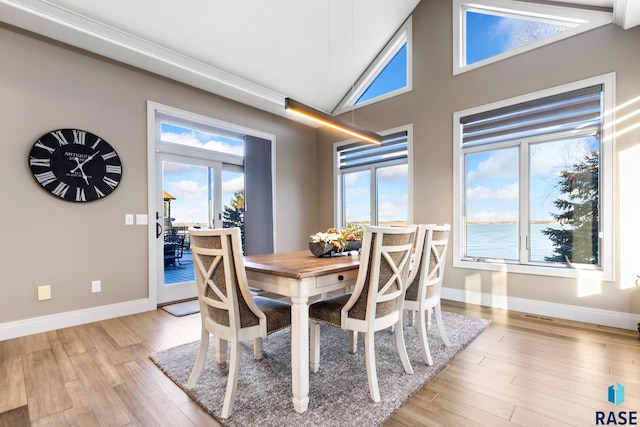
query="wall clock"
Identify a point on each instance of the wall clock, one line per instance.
(75, 165)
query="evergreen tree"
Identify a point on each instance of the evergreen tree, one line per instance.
(234, 215)
(577, 241)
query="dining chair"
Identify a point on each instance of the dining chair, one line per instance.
(376, 301)
(228, 310)
(425, 283)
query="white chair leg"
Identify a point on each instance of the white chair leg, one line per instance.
(200, 359)
(232, 381)
(443, 333)
(370, 360)
(421, 329)
(412, 318)
(402, 348)
(314, 352)
(257, 348)
(221, 350)
(353, 342)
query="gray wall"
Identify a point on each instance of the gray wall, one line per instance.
(437, 94)
(46, 241)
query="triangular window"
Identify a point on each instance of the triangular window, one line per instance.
(392, 77)
(487, 31)
(389, 74)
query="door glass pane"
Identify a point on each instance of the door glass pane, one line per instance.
(564, 185)
(187, 202)
(393, 195)
(491, 204)
(357, 197)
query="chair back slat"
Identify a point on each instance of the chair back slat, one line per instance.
(221, 279)
(383, 273)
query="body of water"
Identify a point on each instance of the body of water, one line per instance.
(501, 241)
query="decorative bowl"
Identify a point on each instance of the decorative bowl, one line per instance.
(353, 245)
(321, 248)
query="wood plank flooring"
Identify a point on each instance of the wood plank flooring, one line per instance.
(522, 371)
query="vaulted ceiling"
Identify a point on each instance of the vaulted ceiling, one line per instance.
(256, 52)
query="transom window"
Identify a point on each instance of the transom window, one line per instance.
(191, 137)
(372, 184)
(486, 31)
(533, 182)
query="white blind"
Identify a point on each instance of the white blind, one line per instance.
(576, 109)
(393, 147)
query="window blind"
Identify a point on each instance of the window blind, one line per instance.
(393, 147)
(576, 109)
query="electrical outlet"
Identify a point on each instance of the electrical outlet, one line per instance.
(44, 292)
(96, 286)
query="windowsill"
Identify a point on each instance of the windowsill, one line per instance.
(551, 271)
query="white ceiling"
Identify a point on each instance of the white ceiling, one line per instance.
(253, 51)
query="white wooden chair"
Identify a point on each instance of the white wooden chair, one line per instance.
(376, 301)
(228, 309)
(425, 282)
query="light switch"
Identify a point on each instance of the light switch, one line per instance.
(128, 219)
(142, 219)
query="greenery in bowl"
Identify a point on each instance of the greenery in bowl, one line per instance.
(334, 240)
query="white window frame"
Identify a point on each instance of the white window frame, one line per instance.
(402, 36)
(607, 196)
(337, 176)
(585, 19)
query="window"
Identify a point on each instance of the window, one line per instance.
(533, 182)
(393, 77)
(486, 31)
(373, 181)
(389, 74)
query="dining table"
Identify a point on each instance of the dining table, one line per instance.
(301, 276)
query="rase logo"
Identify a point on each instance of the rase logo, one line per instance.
(615, 396)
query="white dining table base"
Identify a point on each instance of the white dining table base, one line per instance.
(300, 289)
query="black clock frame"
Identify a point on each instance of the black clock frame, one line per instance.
(75, 165)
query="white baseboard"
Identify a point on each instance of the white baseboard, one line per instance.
(594, 316)
(21, 328)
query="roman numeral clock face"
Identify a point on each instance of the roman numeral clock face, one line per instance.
(75, 165)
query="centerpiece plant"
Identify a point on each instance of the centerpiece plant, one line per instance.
(333, 240)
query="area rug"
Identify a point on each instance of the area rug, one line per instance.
(183, 308)
(339, 392)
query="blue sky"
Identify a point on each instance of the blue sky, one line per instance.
(392, 77)
(393, 200)
(490, 35)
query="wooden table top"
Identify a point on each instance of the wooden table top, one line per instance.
(299, 265)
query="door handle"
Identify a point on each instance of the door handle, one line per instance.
(158, 230)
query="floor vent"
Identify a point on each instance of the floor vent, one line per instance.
(535, 316)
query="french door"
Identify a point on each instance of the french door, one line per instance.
(190, 194)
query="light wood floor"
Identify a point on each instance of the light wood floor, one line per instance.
(522, 370)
